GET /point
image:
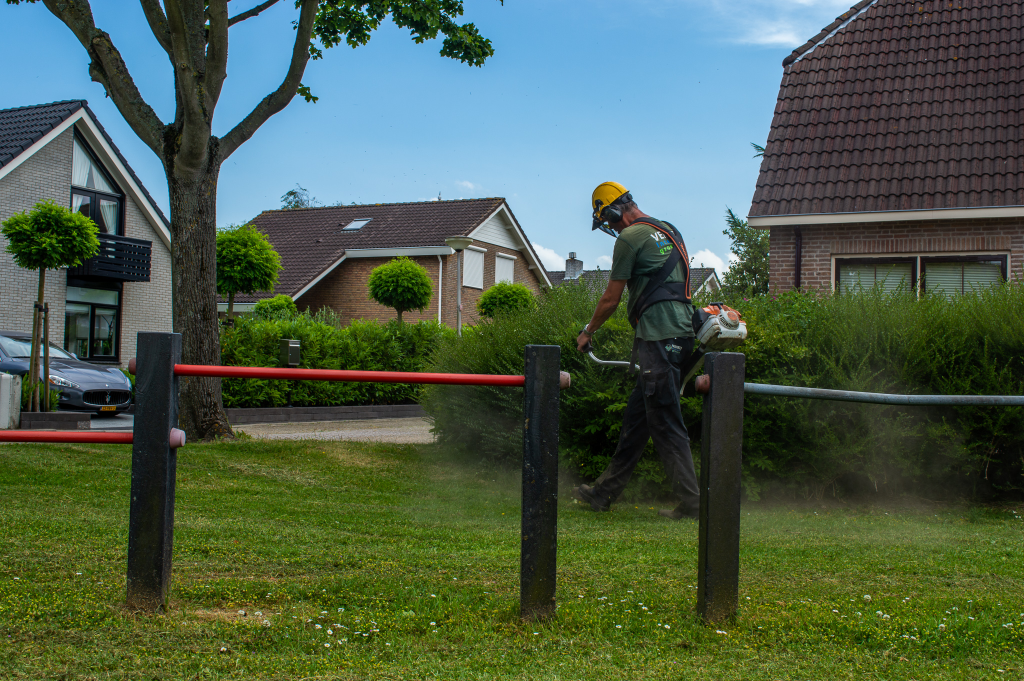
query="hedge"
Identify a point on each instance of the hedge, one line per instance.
(326, 344)
(871, 341)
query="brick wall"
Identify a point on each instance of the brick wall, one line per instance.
(44, 175)
(146, 305)
(822, 243)
(346, 292)
(47, 175)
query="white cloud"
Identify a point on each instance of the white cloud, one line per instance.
(549, 258)
(706, 258)
(467, 185)
(786, 23)
(604, 262)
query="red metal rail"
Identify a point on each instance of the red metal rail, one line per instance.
(69, 436)
(347, 375)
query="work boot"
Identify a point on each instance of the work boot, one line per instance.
(679, 512)
(588, 495)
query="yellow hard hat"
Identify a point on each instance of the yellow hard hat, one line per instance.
(605, 195)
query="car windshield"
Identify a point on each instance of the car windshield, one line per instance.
(22, 348)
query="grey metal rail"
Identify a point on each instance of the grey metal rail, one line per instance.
(882, 398)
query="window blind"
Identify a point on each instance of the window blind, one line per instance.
(473, 269)
(504, 269)
(865, 276)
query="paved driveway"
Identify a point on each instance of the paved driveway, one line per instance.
(400, 431)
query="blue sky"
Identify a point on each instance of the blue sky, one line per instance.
(663, 96)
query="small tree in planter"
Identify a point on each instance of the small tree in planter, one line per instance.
(246, 263)
(505, 298)
(401, 284)
(47, 238)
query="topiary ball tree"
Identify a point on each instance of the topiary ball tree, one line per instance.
(277, 307)
(49, 237)
(505, 298)
(246, 263)
(402, 284)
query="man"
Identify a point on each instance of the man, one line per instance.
(650, 259)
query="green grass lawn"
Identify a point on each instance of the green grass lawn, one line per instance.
(305, 560)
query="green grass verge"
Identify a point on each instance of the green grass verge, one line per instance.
(388, 562)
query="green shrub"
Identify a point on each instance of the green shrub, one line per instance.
(366, 345)
(402, 284)
(280, 306)
(871, 341)
(505, 298)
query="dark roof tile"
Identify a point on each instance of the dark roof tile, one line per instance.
(310, 240)
(900, 109)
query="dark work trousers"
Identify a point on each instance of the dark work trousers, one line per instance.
(653, 411)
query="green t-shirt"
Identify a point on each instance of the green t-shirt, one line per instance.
(640, 252)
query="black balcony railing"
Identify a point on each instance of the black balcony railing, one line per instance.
(120, 258)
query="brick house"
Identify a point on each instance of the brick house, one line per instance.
(60, 151)
(896, 153)
(327, 254)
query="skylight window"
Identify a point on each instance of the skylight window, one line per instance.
(355, 224)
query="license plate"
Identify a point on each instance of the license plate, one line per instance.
(110, 408)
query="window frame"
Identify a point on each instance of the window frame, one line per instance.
(95, 195)
(881, 260)
(100, 286)
(925, 259)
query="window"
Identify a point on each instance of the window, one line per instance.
(473, 268)
(93, 193)
(890, 274)
(963, 274)
(358, 223)
(92, 322)
(504, 268)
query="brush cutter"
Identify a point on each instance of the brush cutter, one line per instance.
(718, 327)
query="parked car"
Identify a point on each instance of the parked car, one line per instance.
(83, 386)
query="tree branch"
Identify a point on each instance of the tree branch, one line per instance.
(251, 13)
(279, 98)
(186, 21)
(157, 23)
(216, 52)
(107, 68)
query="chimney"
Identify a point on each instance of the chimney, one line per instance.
(573, 267)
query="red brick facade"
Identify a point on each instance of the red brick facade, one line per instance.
(822, 244)
(345, 289)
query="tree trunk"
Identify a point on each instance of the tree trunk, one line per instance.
(33, 362)
(231, 308)
(194, 267)
(399, 315)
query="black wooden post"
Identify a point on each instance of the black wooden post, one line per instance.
(718, 562)
(540, 483)
(154, 463)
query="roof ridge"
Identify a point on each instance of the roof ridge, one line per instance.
(39, 106)
(394, 203)
(843, 19)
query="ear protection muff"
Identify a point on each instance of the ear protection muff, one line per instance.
(613, 212)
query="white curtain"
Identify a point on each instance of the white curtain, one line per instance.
(77, 200)
(109, 212)
(80, 165)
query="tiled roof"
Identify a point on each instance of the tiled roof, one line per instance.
(699, 276)
(310, 240)
(22, 127)
(597, 279)
(907, 106)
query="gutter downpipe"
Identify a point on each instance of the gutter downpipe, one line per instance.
(440, 282)
(799, 256)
